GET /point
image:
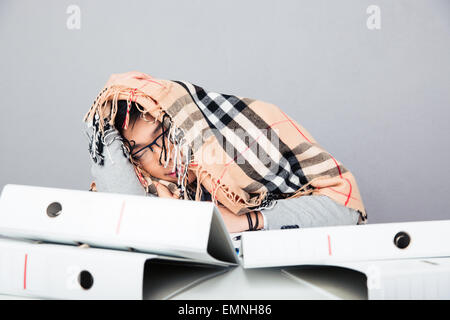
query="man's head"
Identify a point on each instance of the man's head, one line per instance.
(141, 132)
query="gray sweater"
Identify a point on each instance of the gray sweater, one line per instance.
(308, 211)
(117, 175)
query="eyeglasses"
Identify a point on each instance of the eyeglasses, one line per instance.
(154, 142)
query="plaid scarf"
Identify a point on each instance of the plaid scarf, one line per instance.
(245, 152)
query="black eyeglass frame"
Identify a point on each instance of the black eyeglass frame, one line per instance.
(149, 145)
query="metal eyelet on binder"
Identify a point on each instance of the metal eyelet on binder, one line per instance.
(54, 209)
(402, 240)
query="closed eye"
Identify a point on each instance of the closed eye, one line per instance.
(149, 146)
(142, 152)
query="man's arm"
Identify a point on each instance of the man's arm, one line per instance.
(117, 173)
(308, 211)
(302, 212)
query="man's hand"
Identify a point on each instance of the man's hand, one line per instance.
(163, 191)
(235, 223)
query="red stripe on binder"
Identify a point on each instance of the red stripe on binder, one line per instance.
(120, 217)
(329, 245)
(25, 273)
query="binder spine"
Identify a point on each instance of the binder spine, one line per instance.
(68, 272)
(329, 245)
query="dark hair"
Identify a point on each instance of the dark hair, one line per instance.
(122, 113)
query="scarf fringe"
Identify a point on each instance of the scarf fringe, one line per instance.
(202, 174)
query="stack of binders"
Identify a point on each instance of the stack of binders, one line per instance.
(408, 260)
(69, 244)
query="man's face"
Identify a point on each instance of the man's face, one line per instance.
(142, 133)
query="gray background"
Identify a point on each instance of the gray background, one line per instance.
(377, 100)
